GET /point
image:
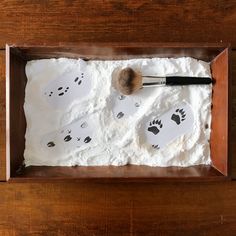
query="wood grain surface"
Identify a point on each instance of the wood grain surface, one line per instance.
(118, 209)
(2, 117)
(113, 208)
(44, 21)
(198, 208)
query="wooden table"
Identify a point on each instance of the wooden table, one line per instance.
(116, 208)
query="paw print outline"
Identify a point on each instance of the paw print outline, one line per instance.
(179, 116)
(155, 126)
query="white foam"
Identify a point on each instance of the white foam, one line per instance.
(117, 141)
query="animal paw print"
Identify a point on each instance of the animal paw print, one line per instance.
(87, 139)
(62, 90)
(78, 80)
(125, 102)
(68, 137)
(155, 126)
(156, 146)
(179, 116)
(51, 144)
(120, 115)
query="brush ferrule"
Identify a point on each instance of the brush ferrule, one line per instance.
(153, 81)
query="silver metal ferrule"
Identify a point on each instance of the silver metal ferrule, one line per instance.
(150, 81)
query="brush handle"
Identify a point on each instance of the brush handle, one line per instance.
(149, 81)
(179, 80)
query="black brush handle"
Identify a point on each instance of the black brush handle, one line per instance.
(182, 80)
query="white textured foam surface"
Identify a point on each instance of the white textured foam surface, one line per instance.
(117, 142)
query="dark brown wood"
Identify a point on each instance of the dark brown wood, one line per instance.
(114, 51)
(2, 118)
(219, 137)
(117, 21)
(129, 173)
(118, 209)
(15, 121)
(233, 116)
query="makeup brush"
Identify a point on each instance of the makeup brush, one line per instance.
(129, 81)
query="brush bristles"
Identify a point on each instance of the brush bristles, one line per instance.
(128, 81)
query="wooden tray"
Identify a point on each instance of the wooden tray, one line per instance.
(18, 55)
